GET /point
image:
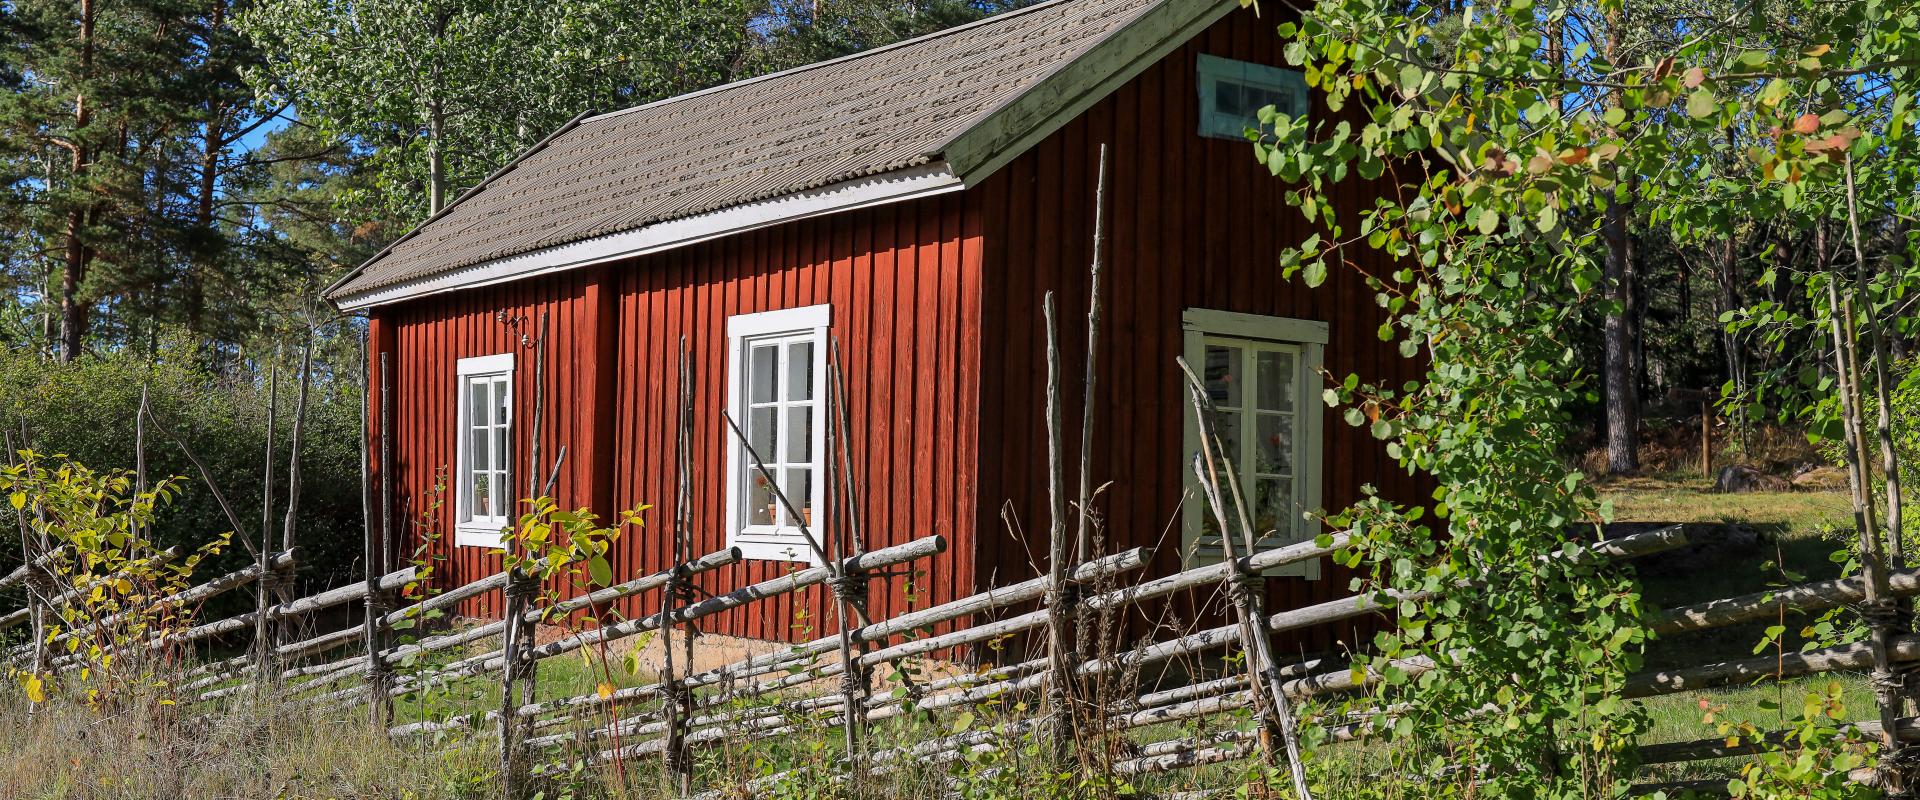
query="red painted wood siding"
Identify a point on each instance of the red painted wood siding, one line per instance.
(1193, 223)
(903, 281)
(426, 339)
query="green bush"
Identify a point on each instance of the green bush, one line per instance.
(86, 411)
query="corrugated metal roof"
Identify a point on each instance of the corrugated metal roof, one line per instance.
(865, 114)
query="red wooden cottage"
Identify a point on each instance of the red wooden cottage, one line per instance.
(912, 203)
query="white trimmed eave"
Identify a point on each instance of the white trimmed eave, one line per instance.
(889, 187)
(1033, 115)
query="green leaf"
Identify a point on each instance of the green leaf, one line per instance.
(600, 571)
(1701, 104)
(1314, 272)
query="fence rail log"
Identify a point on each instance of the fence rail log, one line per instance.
(343, 668)
(813, 576)
(1858, 655)
(1807, 597)
(877, 632)
(22, 615)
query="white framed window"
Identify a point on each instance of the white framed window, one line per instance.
(483, 465)
(1233, 92)
(1261, 374)
(776, 391)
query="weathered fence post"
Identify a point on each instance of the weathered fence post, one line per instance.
(1083, 528)
(264, 585)
(1245, 588)
(379, 673)
(521, 670)
(678, 701)
(1062, 595)
(1883, 616)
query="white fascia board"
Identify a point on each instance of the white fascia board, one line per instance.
(1035, 114)
(889, 187)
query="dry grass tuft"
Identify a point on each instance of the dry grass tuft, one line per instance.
(143, 750)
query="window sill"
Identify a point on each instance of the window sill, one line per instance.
(479, 534)
(765, 545)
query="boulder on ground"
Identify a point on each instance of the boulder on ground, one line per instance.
(1741, 478)
(1820, 478)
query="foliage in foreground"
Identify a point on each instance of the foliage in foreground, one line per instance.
(1512, 142)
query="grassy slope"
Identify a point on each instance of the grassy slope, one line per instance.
(1797, 532)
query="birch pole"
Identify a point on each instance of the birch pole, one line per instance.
(1244, 587)
(846, 588)
(1883, 427)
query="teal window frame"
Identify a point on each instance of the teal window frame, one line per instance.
(1214, 70)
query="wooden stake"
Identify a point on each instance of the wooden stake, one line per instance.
(379, 673)
(678, 706)
(1083, 528)
(262, 645)
(1060, 610)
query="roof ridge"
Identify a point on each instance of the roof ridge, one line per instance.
(983, 21)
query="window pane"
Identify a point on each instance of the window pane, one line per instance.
(799, 489)
(764, 380)
(477, 403)
(764, 434)
(477, 451)
(1227, 427)
(799, 435)
(1273, 507)
(1276, 381)
(1226, 97)
(1221, 377)
(1273, 450)
(800, 371)
(483, 494)
(500, 395)
(500, 449)
(760, 503)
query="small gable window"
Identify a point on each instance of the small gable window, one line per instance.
(777, 382)
(482, 493)
(1233, 92)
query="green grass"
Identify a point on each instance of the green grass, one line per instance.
(1794, 536)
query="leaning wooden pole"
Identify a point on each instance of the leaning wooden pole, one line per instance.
(849, 589)
(1245, 588)
(1083, 516)
(1060, 611)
